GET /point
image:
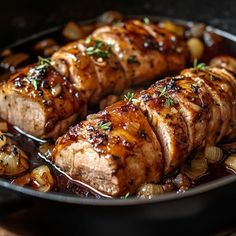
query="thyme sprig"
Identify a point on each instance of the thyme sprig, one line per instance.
(169, 101)
(146, 20)
(104, 126)
(100, 49)
(200, 66)
(35, 74)
(129, 97)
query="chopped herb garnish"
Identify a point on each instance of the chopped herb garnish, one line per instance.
(200, 66)
(88, 40)
(99, 49)
(129, 97)
(104, 126)
(35, 74)
(146, 20)
(43, 62)
(169, 101)
(133, 60)
(163, 92)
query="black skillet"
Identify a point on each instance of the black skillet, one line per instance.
(203, 210)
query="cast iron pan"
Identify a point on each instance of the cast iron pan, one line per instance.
(203, 210)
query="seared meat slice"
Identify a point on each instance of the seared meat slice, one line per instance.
(194, 105)
(116, 56)
(92, 75)
(229, 64)
(186, 112)
(225, 62)
(167, 122)
(221, 90)
(113, 151)
(39, 101)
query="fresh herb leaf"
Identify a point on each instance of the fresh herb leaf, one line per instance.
(133, 60)
(34, 75)
(42, 62)
(200, 66)
(100, 49)
(163, 92)
(169, 101)
(146, 20)
(129, 97)
(104, 126)
(88, 40)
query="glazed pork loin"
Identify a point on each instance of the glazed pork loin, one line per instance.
(40, 101)
(117, 56)
(111, 59)
(149, 135)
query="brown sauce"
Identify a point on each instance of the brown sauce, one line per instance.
(62, 183)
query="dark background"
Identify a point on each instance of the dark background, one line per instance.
(20, 18)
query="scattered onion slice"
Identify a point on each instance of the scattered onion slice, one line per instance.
(213, 154)
(195, 47)
(230, 162)
(150, 190)
(196, 168)
(42, 179)
(13, 161)
(174, 28)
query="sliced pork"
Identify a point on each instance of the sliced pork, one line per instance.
(40, 101)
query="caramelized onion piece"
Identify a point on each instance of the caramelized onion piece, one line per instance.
(109, 17)
(196, 168)
(50, 50)
(196, 48)
(13, 161)
(181, 181)
(150, 190)
(45, 43)
(174, 28)
(213, 154)
(22, 180)
(73, 31)
(6, 52)
(197, 30)
(13, 61)
(230, 162)
(42, 179)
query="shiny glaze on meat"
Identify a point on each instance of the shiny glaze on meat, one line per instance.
(178, 110)
(20, 101)
(122, 157)
(138, 53)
